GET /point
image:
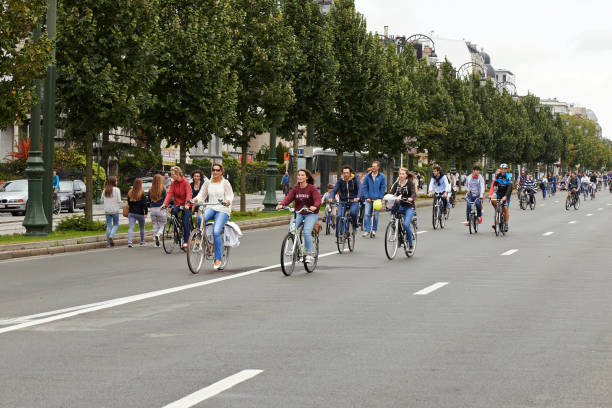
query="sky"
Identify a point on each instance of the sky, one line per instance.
(557, 49)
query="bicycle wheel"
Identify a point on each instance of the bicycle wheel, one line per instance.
(410, 252)
(475, 223)
(225, 257)
(288, 255)
(310, 267)
(340, 236)
(350, 237)
(577, 204)
(568, 203)
(497, 221)
(168, 237)
(435, 216)
(523, 202)
(195, 251)
(471, 223)
(532, 204)
(327, 224)
(443, 218)
(391, 239)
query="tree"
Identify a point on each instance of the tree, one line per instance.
(263, 46)
(22, 61)
(195, 91)
(105, 54)
(345, 127)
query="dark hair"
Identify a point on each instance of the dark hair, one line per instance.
(309, 178)
(346, 166)
(110, 183)
(476, 168)
(330, 186)
(198, 171)
(437, 167)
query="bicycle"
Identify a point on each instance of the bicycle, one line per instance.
(344, 235)
(361, 216)
(500, 218)
(473, 223)
(329, 217)
(293, 247)
(572, 201)
(200, 247)
(173, 232)
(523, 199)
(396, 234)
(452, 200)
(438, 217)
(532, 200)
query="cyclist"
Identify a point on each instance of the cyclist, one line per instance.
(374, 186)
(452, 180)
(404, 188)
(475, 186)
(531, 187)
(503, 186)
(585, 185)
(326, 197)
(349, 189)
(440, 185)
(217, 189)
(572, 186)
(520, 183)
(594, 182)
(56, 187)
(180, 190)
(307, 198)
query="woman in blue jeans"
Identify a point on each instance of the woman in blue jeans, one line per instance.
(220, 195)
(112, 206)
(404, 189)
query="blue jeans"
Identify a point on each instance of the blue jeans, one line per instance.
(309, 221)
(354, 210)
(369, 207)
(112, 223)
(408, 216)
(186, 221)
(218, 229)
(470, 200)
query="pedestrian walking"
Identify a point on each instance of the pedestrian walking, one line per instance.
(167, 181)
(137, 201)
(285, 183)
(157, 195)
(112, 206)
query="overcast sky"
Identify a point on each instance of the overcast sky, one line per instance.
(559, 48)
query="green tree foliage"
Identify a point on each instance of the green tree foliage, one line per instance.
(106, 65)
(195, 91)
(22, 60)
(264, 45)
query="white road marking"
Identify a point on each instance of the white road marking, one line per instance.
(430, 289)
(214, 389)
(542, 205)
(589, 214)
(557, 202)
(609, 204)
(93, 307)
(421, 232)
(547, 234)
(572, 222)
(510, 252)
(600, 209)
(23, 319)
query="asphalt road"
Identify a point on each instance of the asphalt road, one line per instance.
(528, 329)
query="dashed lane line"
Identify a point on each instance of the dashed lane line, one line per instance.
(547, 234)
(430, 289)
(572, 222)
(510, 252)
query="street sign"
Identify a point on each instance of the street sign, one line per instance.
(169, 157)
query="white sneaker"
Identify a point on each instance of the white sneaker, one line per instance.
(365, 234)
(309, 259)
(373, 235)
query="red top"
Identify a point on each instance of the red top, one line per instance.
(304, 197)
(181, 191)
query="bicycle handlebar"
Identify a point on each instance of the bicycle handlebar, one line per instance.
(292, 210)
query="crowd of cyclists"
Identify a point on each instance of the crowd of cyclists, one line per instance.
(361, 198)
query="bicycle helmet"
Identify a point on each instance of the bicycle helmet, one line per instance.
(503, 166)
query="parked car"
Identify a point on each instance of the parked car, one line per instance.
(71, 195)
(14, 197)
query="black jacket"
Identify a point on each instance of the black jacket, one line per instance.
(139, 207)
(405, 192)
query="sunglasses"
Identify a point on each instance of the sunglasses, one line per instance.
(217, 169)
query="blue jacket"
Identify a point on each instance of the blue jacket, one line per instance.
(374, 189)
(349, 190)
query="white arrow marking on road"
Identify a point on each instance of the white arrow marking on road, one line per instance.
(572, 222)
(78, 310)
(430, 289)
(589, 214)
(546, 234)
(510, 252)
(214, 389)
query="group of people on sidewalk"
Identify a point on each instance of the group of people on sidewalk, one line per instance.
(183, 196)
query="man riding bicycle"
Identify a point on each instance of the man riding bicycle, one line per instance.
(374, 186)
(520, 183)
(440, 185)
(349, 189)
(475, 186)
(531, 187)
(501, 190)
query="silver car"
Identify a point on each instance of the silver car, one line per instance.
(14, 197)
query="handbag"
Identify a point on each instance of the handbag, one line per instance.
(126, 210)
(318, 227)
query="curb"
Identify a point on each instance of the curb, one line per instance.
(28, 249)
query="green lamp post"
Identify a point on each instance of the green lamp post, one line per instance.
(35, 221)
(270, 201)
(99, 145)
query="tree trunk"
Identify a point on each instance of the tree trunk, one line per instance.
(182, 156)
(243, 168)
(295, 157)
(89, 177)
(339, 162)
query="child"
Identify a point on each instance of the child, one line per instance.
(327, 196)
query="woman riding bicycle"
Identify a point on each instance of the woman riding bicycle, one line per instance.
(217, 189)
(404, 189)
(306, 197)
(180, 190)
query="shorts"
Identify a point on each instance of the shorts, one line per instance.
(507, 203)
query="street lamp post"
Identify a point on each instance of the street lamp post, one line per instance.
(35, 221)
(270, 201)
(262, 152)
(98, 196)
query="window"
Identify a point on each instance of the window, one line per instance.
(504, 77)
